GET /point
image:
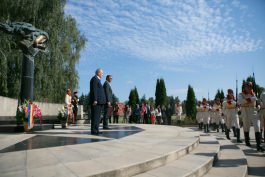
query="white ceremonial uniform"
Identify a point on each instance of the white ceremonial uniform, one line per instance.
(205, 114)
(262, 110)
(199, 114)
(230, 112)
(178, 112)
(217, 112)
(249, 112)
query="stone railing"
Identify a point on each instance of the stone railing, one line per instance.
(8, 110)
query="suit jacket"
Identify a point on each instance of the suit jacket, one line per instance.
(108, 91)
(96, 91)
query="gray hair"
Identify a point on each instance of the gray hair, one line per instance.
(98, 70)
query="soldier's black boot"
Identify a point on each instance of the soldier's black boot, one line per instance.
(207, 128)
(257, 136)
(234, 131)
(214, 126)
(227, 134)
(204, 127)
(199, 126)
(261, 135)
(264, 136)
(246, 134)
(222, 127)
(238, 135)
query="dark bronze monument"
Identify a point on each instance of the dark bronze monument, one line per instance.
(30, 40)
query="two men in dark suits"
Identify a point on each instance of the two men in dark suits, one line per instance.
(97, 101)
(107, 108)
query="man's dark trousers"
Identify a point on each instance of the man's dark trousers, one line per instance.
(95, 117)
(106, 116)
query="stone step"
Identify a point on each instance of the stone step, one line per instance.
(232, 161)
(197, 163)
(149, 156)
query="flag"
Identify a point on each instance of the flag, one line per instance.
(30, 116)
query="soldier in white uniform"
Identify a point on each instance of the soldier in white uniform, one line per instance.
(231, 116)
(262, 112)
(178, 111)
(205, 115)
(217, 111)
(199, 114)
(247, 101)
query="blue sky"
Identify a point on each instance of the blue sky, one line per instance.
(202, 43)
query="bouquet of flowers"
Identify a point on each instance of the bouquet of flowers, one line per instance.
(37, 112)
(22, 112)
(27, 112)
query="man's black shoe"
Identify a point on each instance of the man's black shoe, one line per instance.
(96, 133)
(106, 128)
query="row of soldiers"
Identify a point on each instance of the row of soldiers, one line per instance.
(227, 113)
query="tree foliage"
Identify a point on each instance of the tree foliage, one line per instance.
(53, 73)
(190, 103)
(160, 93)
(134, 97)
(220, 94)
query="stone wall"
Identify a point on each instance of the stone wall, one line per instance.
(49, 110)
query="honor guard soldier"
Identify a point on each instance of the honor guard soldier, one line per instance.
(231, 116)
(262, 113)
(199, 114)
(205, 115)
(217, 110)
(247, 101)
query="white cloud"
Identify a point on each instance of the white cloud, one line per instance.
(164, 31)
(129, 82)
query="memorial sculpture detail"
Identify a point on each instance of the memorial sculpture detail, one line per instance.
(31, 41)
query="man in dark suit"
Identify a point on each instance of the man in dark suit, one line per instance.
(107, 108)
(97, 101)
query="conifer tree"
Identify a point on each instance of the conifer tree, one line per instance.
(160, 93)
(191, 103)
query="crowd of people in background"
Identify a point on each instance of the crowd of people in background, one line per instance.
(144, 114)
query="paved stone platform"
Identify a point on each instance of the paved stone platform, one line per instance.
(125, 150)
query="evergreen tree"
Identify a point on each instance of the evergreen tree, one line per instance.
(3, 74)
(132, 98)
(82, 99)
(136, 95)
(172, 103)
(163, 92)
(157, 93)
(220, 94)
(160, 93)
(217, 95)
(143, 99)
(191, 103)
